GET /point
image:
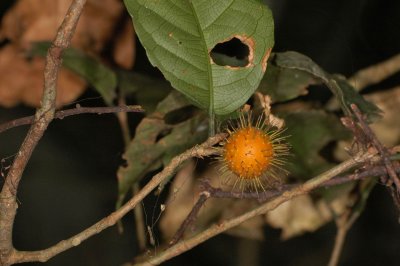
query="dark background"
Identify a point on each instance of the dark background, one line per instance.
(70, 182)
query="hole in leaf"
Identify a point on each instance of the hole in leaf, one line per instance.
(232, 53)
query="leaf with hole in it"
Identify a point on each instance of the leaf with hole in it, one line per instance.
(157, 140)
(310, 132)
(98, 75)
(179, 36)
(343, 91)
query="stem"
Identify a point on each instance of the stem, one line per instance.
(74, 111)
(216, 229)
(139, 221)
(375, 73)
(123, 122)
(338, 247)
(137, 211)
(198, 151)
(44, 115)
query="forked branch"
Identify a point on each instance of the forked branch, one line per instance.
(44, 115)
(223, 226)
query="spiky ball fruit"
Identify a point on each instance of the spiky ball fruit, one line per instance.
(248, 152)
(254, 154)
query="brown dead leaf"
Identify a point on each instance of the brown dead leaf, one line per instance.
(265, 102)
(250, 229)
(184, 193)
(38, 20)
(22, 80)
(387, 129)
(124, 47)
(180, 201)
(302, 214)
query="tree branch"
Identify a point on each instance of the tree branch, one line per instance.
(216, 229)
(73, 111)
(200, 151)
(44, 115)
(380, 148)
(342, 229)
(204, 196)
(208, 191)
(369, 76)
(375, 73)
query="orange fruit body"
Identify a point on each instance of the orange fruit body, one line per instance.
(248, 152)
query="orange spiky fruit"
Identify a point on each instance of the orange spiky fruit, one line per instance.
(254, 154)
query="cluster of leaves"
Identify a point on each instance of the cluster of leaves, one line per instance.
(179, 39)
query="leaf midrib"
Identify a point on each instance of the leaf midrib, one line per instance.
(209, 70)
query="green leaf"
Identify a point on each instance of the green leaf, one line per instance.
(343, 91)
(347, 95)
(309, 132)
(283, 84)
(179, 35)
(98, 75)
(156, 142)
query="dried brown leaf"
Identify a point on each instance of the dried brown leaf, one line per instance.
(183, 195)
(252, 228)
(302, 214)
(124, 46)
(38, 20)
(387, 129)
(180, 201)
(22, 80)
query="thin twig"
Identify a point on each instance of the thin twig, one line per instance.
(369, 76)
(216, 229)
(44, 115)
(356, 202)
(190, 218)
(200, 151)
(375, 73)
(260, 196)
(213, 192)
(137, 211)
(139, 221)
(123, 121)
(368, 172)
(376, 143)
(74, 111)
(342, 229)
